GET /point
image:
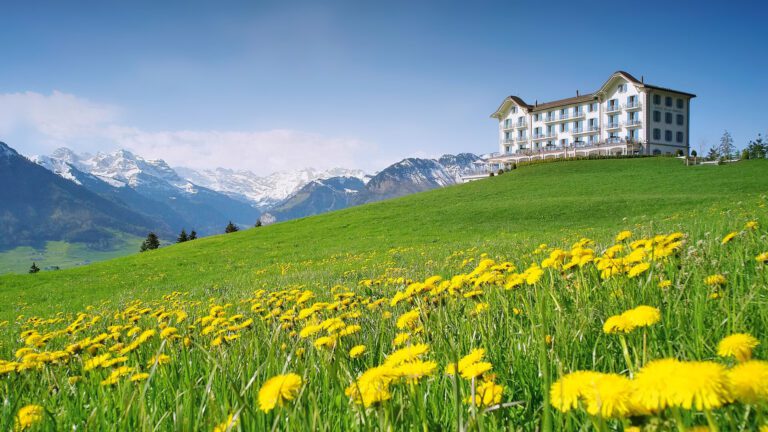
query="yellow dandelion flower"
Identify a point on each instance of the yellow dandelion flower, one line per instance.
(618, 324)
(475, 370)
(357, 351)
(480, 308)
(665, 284)
(739, 346)
(169, 333)
(160, 360)
(748, 382)
(401, 338)
(486, 394)
(643, 316)
(701, 385)
(753, 225)
(277, 390)
(728, 237)
(414, 370)
(29, 416)
(372, 386)
(762, 258)
(638, 269)
(227, 425)
(139, 377)
(715, 280)
(408, 320)
(607, 396)
(407, 354)
(620, 237)
(566, 392)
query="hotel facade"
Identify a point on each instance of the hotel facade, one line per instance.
(624, 117)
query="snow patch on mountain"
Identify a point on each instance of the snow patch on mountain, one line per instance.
(265, 191)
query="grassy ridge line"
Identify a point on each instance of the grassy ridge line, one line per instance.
(537, 203)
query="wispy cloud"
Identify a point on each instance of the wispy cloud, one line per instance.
(41, 123)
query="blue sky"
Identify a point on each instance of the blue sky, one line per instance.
(281, 85)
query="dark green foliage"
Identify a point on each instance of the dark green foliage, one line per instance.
(193, 235)
(231, 228)
(757, 148)
(258, 223)
(714, 154)
(34, 268)
(726, 148)
(151, 243)
(182, 237)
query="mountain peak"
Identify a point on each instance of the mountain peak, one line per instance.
(6, 151)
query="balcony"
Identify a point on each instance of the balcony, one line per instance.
(539, 136)
(612, 108)
(593, 128)
(611, 126)
(522, 124)
(508, 126)
(579, 131)
(634, 123)
(633, 106)
(508, 141)
(578, 115)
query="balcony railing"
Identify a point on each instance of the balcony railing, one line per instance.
(610, 126)
(593, 128)
(613, 108)
(578, 115)
(632, 105)
(508, 126)
(634, 123)
(521, 124)
(508, 141)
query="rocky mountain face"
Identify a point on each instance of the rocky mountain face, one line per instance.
(263, 192)
(37, 205)
(402, 178)
(152, 188)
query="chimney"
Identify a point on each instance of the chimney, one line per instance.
(642, 79)
(536, 103)
(577, 93)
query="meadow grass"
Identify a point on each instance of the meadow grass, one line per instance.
(355, 262)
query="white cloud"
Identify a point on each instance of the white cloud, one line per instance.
(62, 119)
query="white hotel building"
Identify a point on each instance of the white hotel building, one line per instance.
(625, 116)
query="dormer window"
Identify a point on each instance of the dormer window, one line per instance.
(514, 110)
(622, 88)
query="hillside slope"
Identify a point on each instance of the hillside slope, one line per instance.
(540, 203)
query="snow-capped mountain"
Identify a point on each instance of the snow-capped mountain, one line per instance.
(169, 198)
(263, 192)
(402, 178)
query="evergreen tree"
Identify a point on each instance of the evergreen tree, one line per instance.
(727, 149)
(231, 228)
(34, 268)
(150, 243)
(182, 237)
(713, 154)
(193, 235)
(258, 223)
(758, 148)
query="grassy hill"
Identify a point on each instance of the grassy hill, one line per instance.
(247, 306)
(535, 204)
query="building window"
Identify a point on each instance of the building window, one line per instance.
(514, 110)
(622, 88)
(657, 116)
(668, 118)
(656, 152)
(657, 99)
(680, 119)
(506, 135)
(535, 117)
(668, 135)
(668, 101)
(593, 107)
(657, 134)
(634, 134)
(679, 103)
(564, 127)
(507, 147)
(680, 137)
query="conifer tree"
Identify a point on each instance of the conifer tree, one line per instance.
(182, 237)
(150, 243)
(258, 223)
(34, 268)
(192, 235)
(231, 228)
(727, 149)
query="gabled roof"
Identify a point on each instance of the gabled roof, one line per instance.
(509, 100)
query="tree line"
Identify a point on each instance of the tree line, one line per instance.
(726, 150)
(153, 241)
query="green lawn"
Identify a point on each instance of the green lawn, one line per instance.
(533, 204)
